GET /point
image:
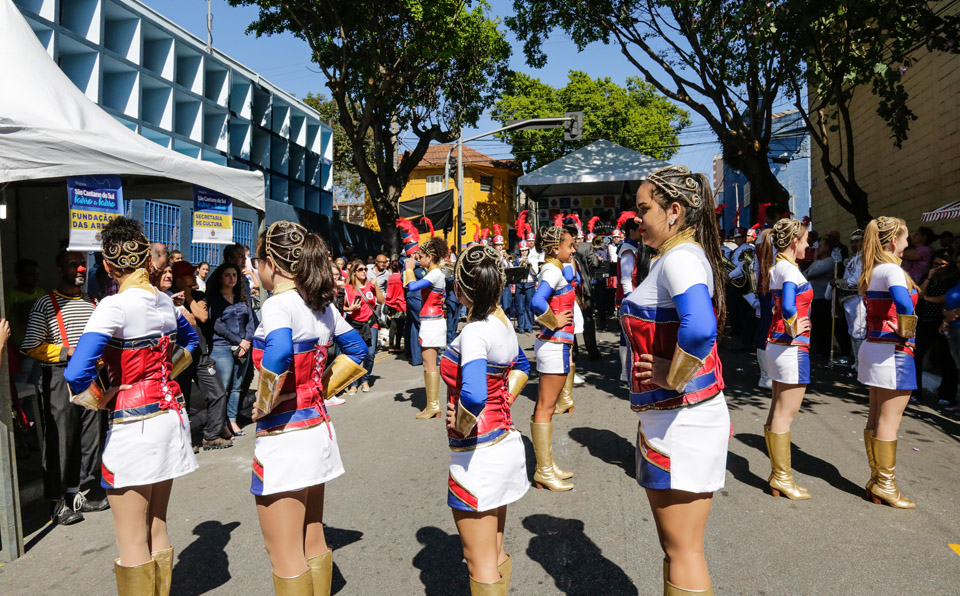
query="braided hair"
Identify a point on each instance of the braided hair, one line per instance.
(302, 256)
(124, 245)
(435, 247)
(480, 277)
(549, 239)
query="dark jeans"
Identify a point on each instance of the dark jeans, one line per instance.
(232, 372)
(929, 339)
(506, 300)
(71, 446)
(205, 372)
(523, 298)
(397, 325)
(453, 321)
(367, 361)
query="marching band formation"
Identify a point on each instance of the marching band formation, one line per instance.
(672, 285)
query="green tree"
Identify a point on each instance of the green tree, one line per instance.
(635, 116)
(429, 67)
(347, 185)
(704, 54)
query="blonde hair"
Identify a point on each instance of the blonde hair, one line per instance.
(765, 257)
(785, 230)
(879, 233)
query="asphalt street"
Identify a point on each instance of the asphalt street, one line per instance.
(393, 533)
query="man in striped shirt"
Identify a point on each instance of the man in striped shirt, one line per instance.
(71, 445)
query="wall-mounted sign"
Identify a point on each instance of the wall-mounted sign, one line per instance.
(212, 217)
(93, 201)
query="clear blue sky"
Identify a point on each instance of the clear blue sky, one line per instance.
(285, 61)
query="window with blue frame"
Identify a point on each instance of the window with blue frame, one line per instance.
(213, 253)
(161, 223)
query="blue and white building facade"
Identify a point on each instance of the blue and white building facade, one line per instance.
(161, 82)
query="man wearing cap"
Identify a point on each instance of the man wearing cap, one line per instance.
(848, 293)
(526, 289)
(72, 446)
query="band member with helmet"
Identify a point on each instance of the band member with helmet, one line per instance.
(433, 325)
(848, 293)
(488, 471)
(143, 343)
(787, 351)
(740, 284)
(526, 288)
(296, 450)
(887, 365)
(627, 266)
(553, 303)
(672, 320)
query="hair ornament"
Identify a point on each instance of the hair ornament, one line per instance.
(284, 242)
(678, 183)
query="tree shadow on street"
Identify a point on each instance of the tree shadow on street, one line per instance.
(575, 562)
(443, 571)
(608, 447)
(203, 566)
(806, 464)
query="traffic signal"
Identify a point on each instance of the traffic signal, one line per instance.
(573, 128)
(462, 228)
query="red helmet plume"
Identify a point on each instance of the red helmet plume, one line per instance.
(429, 223)
(410, 235)
(521, 224)
(592, 223)
(476, 233)
(558, 220)
(576, 219)
(624, 217)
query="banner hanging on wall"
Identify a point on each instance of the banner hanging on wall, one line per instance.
(93, 202)
(212, 217)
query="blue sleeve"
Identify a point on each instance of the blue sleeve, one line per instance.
(420, 284)
(278, 350)
(522, 363)
(788, 304)
(186, 336)
(902, 300)
(352, 345)
(698, 322)
(539, 302)
(473, 387)
(82, 368)
(569, 273)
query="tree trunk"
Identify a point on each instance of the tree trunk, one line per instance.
(385, 206)
(764, 186)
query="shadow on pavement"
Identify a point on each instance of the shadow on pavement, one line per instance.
(203, 566)
(417, 397)
(575, 562)
(440, 561)
(740, 468)
(338, 538)
(608, 446)
(809, 465)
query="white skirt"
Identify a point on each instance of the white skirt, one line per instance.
(886, 366)
(295, 459)
(488, 477)
(148, 451)
(552, 358)
(684, 448)
(788, 364)
(433, 333)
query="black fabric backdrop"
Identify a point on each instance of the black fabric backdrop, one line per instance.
(438, 207)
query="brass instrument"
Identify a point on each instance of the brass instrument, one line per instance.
(598, 242)
(748, 279)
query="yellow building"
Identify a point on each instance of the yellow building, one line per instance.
(490, 190)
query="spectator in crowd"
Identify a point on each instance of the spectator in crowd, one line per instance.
(951, 325)
(72, 445)
(175, 256)
(840, 251)
(526, 288)
(203, 270)
(362, 296)
(381, 272)
(18, 302)
(588, 264)
(820, 273)
(203, 369)
(236, 254)
(340, 282)
(233, 328)
(395, 308)
(941, 277)
(946, 239)
(159, 259)
(166, 280)
(916, 259)
(341, 265)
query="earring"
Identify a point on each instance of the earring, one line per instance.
(672, 221)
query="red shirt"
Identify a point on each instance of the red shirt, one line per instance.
(395, 298)
(368, 300)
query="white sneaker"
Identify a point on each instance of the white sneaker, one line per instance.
(335, 401)
(578, 380)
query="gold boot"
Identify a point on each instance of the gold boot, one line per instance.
(497, 588)
(565, 401)
(139, 580)
(672, 590)
(560, 473)
(781, 476)
(432, 383)
(321, 570)
(885, 490)
(506, 570)
(541, 434)
(164, 559)
(871, 459)
(301, 585)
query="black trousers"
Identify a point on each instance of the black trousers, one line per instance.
(72, 438)
(820, 321)
(396, 332)
(203, 372)
(590, 331)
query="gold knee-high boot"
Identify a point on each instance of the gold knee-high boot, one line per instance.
(672, 590)
(541, 435)
(301, 585)
(781, 475)
(497, 588)
(139, 580)
(885, 489)
(164, 559)
(321, 570)
(506, 571)
(431, 380)
(871, 459)
(565, 401)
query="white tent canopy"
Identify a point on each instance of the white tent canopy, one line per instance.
(599, 168)
(50, 130)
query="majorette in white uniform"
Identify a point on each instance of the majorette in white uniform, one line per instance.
(555, 293)
(788, 351)
(487, 462)
(135, 333)
(886, 357)
(683, 432)
(296, 444)
(433, 325)
(627, 265)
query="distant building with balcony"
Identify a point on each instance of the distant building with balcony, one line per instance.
(161, 82)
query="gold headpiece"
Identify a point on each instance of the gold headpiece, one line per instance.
(784, 231)
(472, 257)
(430, 248)
(887, 228)
(284, 242)
(679, 184)
(551, 237)
(132, 254)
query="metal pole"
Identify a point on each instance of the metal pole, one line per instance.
(459, 191)
(11, 529)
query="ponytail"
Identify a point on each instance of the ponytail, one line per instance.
(314, 277)
(765, 259)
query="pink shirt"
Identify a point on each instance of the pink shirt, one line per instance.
(917, 269)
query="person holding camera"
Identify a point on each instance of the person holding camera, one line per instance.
(360, 302)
